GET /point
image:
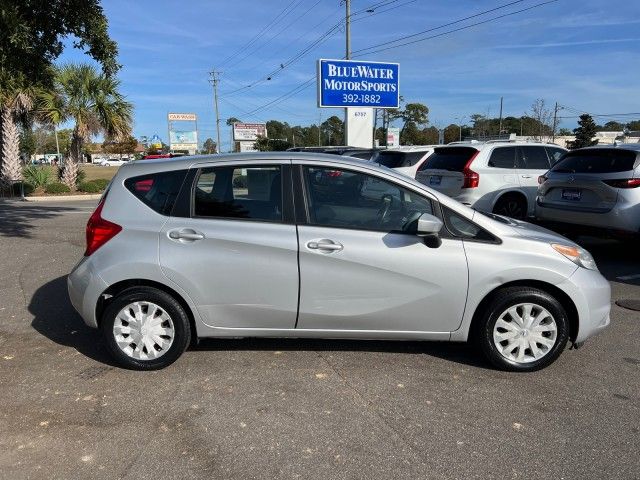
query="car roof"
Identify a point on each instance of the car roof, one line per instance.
(498, 143)
(635, 147)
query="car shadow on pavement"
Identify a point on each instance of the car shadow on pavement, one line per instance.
(56, 319)
(617, 260)
(17, 219)
(454, 352)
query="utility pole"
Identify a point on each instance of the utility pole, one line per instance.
(555, 123)
(500, 128)
(214, 78)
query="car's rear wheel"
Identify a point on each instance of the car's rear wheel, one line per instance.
(523, 329)
(509, 205)
(145, 328)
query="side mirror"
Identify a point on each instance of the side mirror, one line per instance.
(428, 228)
(428, 225)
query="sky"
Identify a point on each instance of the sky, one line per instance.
(582, 54)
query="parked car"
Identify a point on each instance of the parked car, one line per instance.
(597, 187)
(495, 176)
(112, 162)
(175, 251)
(361, 153)
(405, 160)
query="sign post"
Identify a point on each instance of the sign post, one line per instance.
(358, 86)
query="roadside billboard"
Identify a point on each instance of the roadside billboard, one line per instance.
(183, 132)
(243, 132)
(354, 83)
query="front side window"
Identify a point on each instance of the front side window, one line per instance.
(247, 192)
(347, 199)
(533, 158)
(503, 157)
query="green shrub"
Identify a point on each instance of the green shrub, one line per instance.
(89, 187)
(56, 187)
(14, 190)
(101, 182)
(240, 181)
(37, 176)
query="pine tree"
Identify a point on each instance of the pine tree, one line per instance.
(584, 133)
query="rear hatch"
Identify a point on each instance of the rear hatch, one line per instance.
(444, 169)
(587, 180)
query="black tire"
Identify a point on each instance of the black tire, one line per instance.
(513, 206)
(181, 326)
(509, 297)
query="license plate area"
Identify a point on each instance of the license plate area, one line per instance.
(573, 194)
(435, 180)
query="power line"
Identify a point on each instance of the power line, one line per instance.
(365, 52)
(255, 38)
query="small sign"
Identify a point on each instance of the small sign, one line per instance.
(354, 83)
(249, 131)
(183, 116)
(393, 137)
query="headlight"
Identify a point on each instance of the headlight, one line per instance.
(577, 255)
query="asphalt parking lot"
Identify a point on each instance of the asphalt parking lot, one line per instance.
(296, 408)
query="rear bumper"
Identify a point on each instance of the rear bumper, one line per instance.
(619, 218)
(85, 287)
(591, 294)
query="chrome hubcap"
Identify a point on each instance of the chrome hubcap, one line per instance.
(525, 333)
(143, 330)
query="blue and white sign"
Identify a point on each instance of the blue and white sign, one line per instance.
(353, 83)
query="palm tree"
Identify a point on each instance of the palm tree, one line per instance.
(93, 102)
(14, 101)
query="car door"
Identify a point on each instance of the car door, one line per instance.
(236, 253)
(532, 161)
(360, 267)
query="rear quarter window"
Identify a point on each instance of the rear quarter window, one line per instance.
(398, 159)
(158, 191)
(606, 160)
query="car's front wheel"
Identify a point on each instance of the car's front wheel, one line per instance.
(145, 328)
(523, 329)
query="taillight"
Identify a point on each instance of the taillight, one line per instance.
(471, 178)
(542, 179)
(334, 173)
(625, 183)
(99, 230)
(143, 185)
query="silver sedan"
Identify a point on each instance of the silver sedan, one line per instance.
(312, 245)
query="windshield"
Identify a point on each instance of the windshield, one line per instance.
(450, 158)
(392, 159)
(606, 160)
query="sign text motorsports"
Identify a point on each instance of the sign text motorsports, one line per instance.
(353, 83)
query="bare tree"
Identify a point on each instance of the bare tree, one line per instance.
(543, 116)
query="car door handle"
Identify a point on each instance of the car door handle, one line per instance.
(186, 234)
(327, 245)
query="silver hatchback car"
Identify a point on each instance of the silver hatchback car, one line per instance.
(311, 245)
(597, 187)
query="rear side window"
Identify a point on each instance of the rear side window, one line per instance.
(398, 159)
(606, 160)
(503, 157)
(247, 192)
(555, 154)
(533, 158)
(451, 158)
(158, 191)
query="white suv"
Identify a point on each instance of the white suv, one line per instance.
(405, 160)
(496, 176)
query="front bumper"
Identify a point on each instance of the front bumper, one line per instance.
(591, 294)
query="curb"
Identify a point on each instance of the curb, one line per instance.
(63, 198)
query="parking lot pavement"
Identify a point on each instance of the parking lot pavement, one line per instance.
(295, 408)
